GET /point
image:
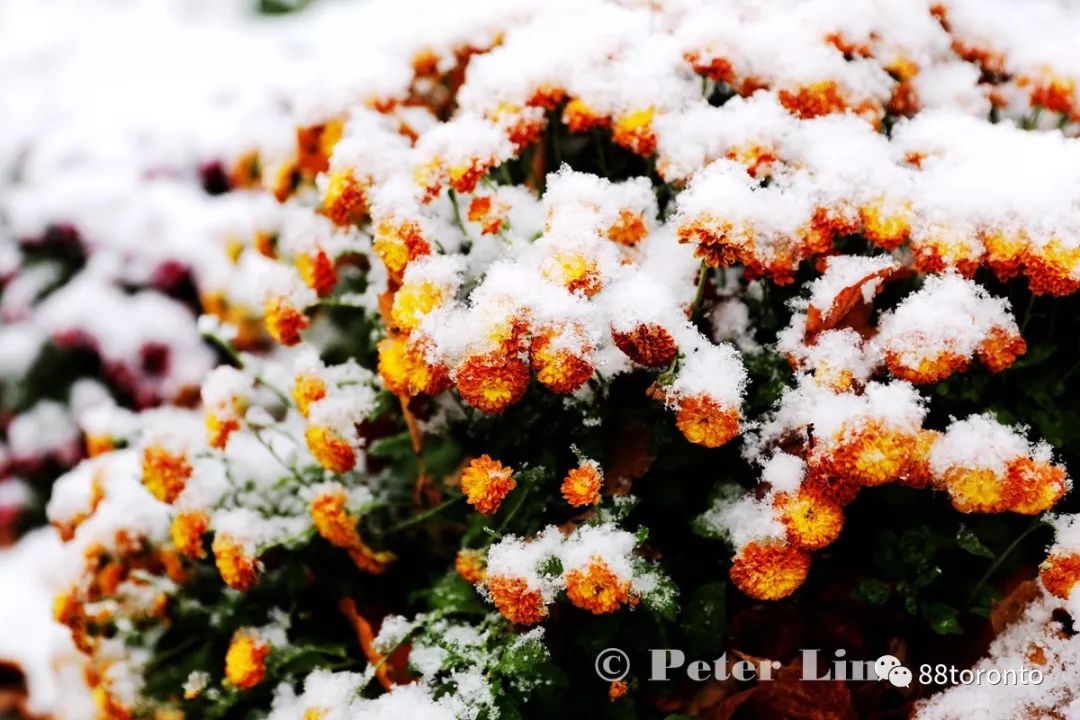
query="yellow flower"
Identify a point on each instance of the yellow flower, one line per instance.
(238, 570)
(308, 390)
(344, 202)
(284, 321)
(486, 483)
(597, 589)
(634, 132)
(164, 473)
(187, 532)
(337, 526)
(219, 428)
(317, 271)
(413, 301)
(330, 449)
(469, 564)
(245, 660)
(812, 521)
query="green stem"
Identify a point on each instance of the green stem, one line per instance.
(1000, 559)
(431, 512)
(467, 244)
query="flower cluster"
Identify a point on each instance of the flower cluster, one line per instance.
(496, 300)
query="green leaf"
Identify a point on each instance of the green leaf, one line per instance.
(874, 592)
(970, 542)
(942, 618)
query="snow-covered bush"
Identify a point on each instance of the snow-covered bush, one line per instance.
(529, 329)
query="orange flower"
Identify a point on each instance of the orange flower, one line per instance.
(187, 529)
(98, 444)
(705, 422)
(581, 486)
(400, 244)
(628, 229)
(315, 143)
(579, 117)
(338, 526)
(245, 660)
(1000, 348)
(930, 368)
(491, 217)
(486, 483)
(405, 371)
(1004, 253)
(284, 321)
(330, 449)
(769, 570)
(517, 603)
(617, 689)
(814, 100)
(164, 473)
(1033, 486)
(634, 132)
(649, 344)
(872, 455)
(317, 271)
(812, 521)
(596, 588)
(719, 243)
(344, 202)
(493, 381)
(575, 272)
(1060, 574)
(308, 390)
(238, 570)
(470, 565)
(886, 227)
(978, 490)
(218, 429)
(918, 473)
(559, 370)
(1050, 269)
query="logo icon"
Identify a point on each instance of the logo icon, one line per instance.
(889, 667)
(612, 664)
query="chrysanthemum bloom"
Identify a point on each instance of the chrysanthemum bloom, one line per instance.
(581, 486)
(814, 100)
(628, 229)
(413, 301)
(315, 144)
(515, 600)
(405, 369)
(245, 660)
(98, 444)
(486, 483)
(489, 214)
(338, 526)
(218, 429)
(307, 390)
(757, 159)
(330, 449)
(871, 454)
(1052, 269)
(579, 117)
(1052, 92)
(718, 243)
(812, 521)
(574, 271)
(918, 473)
(703, 421)
(470, 565)
(769, 570)
(978, 490)
(648, 343)
(492, 382)
(1060, 574)
(1000, 349)
(344, 202)
(1005, 252)
(634, 132)
(946, 249)
(187, 530)
(284, 321)
(238, 569)
(558, 368)
(164, 473)
(1033, 486)
(885, 224)
(317, 271)
(399, 244)
(596, 588)
(617, 689)
(464, 178)
(926, 369)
